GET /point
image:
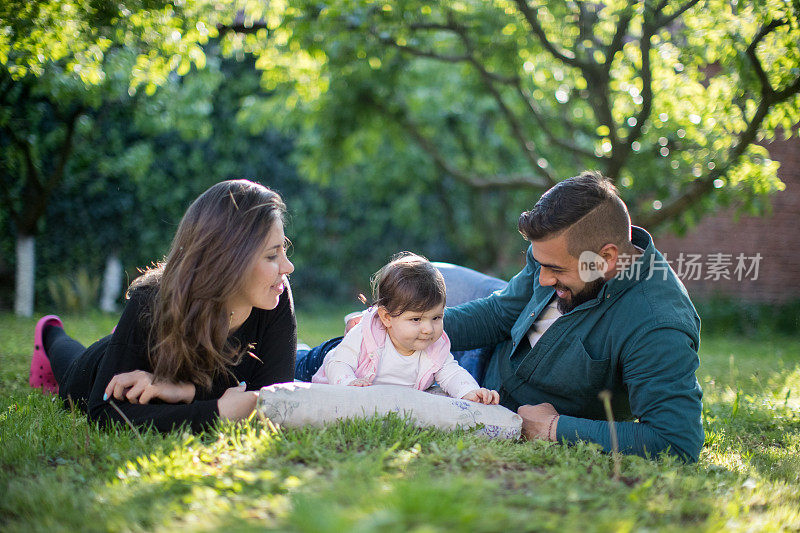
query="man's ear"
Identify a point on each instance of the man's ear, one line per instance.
(386, 318)
(610, 254)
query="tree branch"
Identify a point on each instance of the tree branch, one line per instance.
(792, 89)
(5, 196)
(420, 53)
(622, 151)
(526, 145)
(435, 26)
(6, 84)
(25, 147)
(751, 53)
(36, 190)
(31, 188)
(239, 26)
(619, 36)
(65, 151)
(473, 180)
(439, 57)
(489, 77)
(597, 85)
(565, 56)
(701, 186)
(547, 129)
(667, 19)
(769, 97)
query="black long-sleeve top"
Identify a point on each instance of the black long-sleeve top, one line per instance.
(273, 334)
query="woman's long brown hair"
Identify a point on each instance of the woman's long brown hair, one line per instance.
(217, 240)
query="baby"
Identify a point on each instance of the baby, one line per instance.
(408, 310)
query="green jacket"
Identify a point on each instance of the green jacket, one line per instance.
(637, 339)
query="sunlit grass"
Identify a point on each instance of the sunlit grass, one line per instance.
(60, 473)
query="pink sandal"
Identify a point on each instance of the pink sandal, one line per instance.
(41, 376)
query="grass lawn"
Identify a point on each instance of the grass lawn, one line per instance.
(57, 472)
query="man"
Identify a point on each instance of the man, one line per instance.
(594, 309)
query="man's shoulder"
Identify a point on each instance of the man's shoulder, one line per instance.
(660, 300)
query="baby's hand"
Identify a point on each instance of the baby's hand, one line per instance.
(359, 382)
(486, 396)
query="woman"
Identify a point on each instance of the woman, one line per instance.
(200, 333)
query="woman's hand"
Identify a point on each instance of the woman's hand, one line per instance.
(486, 396)
(137, 387)
(359, 382)
(237, 403)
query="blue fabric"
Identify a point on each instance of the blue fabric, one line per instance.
(309, 361)
(464, 285)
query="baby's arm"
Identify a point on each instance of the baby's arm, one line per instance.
(489, 397)
(342, 361)
(455, 380)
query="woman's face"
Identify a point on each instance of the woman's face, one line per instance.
(265, 280)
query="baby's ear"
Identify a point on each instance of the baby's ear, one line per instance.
(386, 318)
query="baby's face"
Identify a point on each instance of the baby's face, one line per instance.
(414, 330)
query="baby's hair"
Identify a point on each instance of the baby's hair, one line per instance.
(409, 282)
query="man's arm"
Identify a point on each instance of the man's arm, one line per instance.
(488, 321)
(664, 395)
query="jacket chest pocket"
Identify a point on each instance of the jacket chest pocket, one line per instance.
(569, 371)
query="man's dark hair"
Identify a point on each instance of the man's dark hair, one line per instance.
(587, 207)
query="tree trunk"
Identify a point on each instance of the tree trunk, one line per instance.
(26, 266)
(112, 284)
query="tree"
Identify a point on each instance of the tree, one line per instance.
(668, 98)
(59, 61)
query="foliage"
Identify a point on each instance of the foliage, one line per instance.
(60, 60)
(61, 63)
(423, 126)
(74, 294)
(58, 472)
(725, 315)
(667, 97)
(138, 162)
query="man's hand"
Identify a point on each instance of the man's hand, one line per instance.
(539, 421)
(486, 396)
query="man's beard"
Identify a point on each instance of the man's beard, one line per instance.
(589, 292)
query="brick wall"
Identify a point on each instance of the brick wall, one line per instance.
(776, 237)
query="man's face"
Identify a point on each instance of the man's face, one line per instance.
(560, 270)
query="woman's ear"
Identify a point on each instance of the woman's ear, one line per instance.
(386, 318)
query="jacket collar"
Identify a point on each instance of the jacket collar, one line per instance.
(636, 270)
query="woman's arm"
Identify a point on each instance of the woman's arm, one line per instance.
(126, 352)
(140, 386)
